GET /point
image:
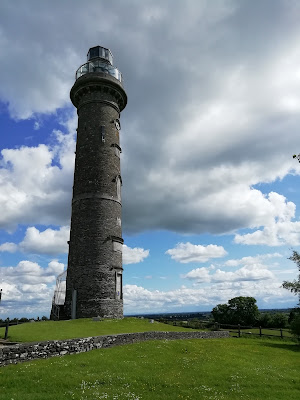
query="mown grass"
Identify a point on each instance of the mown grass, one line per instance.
(233, 369)
(56, 330)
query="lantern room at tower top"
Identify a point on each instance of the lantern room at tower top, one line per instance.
(99, 59)
(100, 52)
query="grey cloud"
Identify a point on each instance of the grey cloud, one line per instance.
(180, 61)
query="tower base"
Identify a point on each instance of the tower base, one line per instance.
(103, 308)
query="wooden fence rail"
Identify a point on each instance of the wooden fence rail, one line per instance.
(241, 330)
(238, 329)
(7, 323)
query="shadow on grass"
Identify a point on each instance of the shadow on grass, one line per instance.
(295, 347)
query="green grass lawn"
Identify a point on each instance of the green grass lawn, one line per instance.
(233, 369)
(56, 330)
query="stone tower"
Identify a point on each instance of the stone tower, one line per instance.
(94, 274)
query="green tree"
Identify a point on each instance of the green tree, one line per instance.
(293, 314)
(279, 320)
(239, 310)
(295, 327)
(294, 286)
(221, 314)
(265, 320)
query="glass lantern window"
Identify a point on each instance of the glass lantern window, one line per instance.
(99, 66)
(100, 52)
(94, 52)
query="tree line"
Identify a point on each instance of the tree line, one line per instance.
(24, 319)
(244, 311)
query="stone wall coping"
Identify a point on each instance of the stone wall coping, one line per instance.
(50, 348)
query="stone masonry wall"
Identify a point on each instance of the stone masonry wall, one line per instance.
(94, 264)
(31, 351)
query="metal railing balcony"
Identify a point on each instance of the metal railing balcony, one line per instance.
(98, 66)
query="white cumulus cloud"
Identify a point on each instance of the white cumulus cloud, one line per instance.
(134, 255)
(49, 241)
(198, 274)
(188, 252)
(36, 183)
(255, 272)
(139, 299)
(9, 247)
(250, 260)
(275, 234)
(28, 288)
(280, 230)
(31, 272)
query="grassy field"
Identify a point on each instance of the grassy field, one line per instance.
(55, 330)
(210, 369)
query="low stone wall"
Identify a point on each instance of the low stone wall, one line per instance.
(31, 351)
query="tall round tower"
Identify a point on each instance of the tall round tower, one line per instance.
(94, 274)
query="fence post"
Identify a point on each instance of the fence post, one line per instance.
(6, 329)
(281, 334)
(239, 327)
(260, 331)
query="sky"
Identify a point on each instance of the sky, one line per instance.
(210, 188)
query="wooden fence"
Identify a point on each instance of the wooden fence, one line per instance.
(7, 323)
(239, 330)
(256, 331)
